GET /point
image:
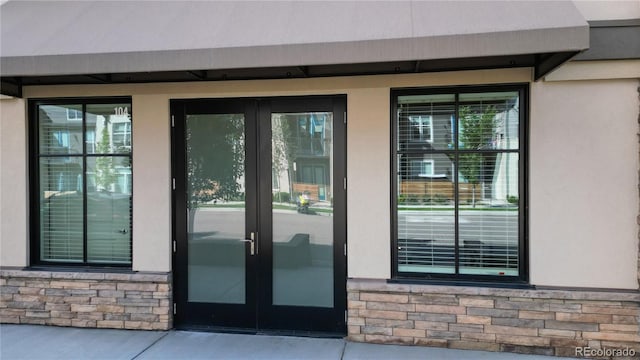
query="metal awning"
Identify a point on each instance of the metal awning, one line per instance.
(57, 42)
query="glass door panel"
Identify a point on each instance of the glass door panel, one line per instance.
(302, 228)
(255, 254)
(216, 208)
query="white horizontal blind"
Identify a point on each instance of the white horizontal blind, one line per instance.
(458, 186)
(85, 183)
(109, 209)
(61, 209)
(488, 215)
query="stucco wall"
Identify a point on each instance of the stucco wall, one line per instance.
(583, 183)
(558, 170)
(151, 183)
(608, 9)
(13, 183)
(368, 200)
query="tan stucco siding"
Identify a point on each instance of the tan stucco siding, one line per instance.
(368, 201)
(368, 136)
(151, 183)
(13, 183)
(583, 183)
(575, 129)
(608, 9)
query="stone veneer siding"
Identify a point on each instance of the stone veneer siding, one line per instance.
(86, 299)
(547, 322)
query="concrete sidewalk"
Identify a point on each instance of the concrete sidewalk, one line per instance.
(49, 342)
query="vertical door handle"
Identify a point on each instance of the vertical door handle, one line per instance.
(252, 243)
(254, 237)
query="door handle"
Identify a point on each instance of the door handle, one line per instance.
(252, 243)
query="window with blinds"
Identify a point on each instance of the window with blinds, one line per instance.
(458, 182)
(82, 160)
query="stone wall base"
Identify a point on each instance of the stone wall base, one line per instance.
(545, 322)
(86, 299)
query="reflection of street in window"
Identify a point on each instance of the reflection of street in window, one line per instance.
(458, 201)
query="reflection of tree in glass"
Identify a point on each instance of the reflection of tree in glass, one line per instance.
(477, 128)
(284, 145)
(105, 171)
(215, 160)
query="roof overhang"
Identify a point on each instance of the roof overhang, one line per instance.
(77, 42)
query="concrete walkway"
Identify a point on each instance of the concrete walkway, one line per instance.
(48, 342)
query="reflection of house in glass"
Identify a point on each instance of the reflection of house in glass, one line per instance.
(61, 134)
(487, 129)
(302, 154)
(85, 183)
(457, 152)
(505, 174)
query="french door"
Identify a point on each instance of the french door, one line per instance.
(259, 213)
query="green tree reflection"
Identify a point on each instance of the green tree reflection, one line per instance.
(477, 129)
(215, 160)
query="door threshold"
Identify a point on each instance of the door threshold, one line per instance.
(302, 333)
(216, 329)
(265, 332)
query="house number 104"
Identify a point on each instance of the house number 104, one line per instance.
(121, 110)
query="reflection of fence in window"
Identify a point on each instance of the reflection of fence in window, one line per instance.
(426, 191)
(313, 190)
(458, 209)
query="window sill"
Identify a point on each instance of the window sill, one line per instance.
(81, 268)
(486, 289)
(84, 273)
(511, 284)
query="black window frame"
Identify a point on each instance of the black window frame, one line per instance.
(34, 155)
(522, 279)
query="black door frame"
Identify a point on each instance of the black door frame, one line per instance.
(197, 315)
(258, 314)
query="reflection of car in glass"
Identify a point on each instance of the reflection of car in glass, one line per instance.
(302, 202)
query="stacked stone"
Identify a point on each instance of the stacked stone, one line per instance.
(546, 322)
(86, 299)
